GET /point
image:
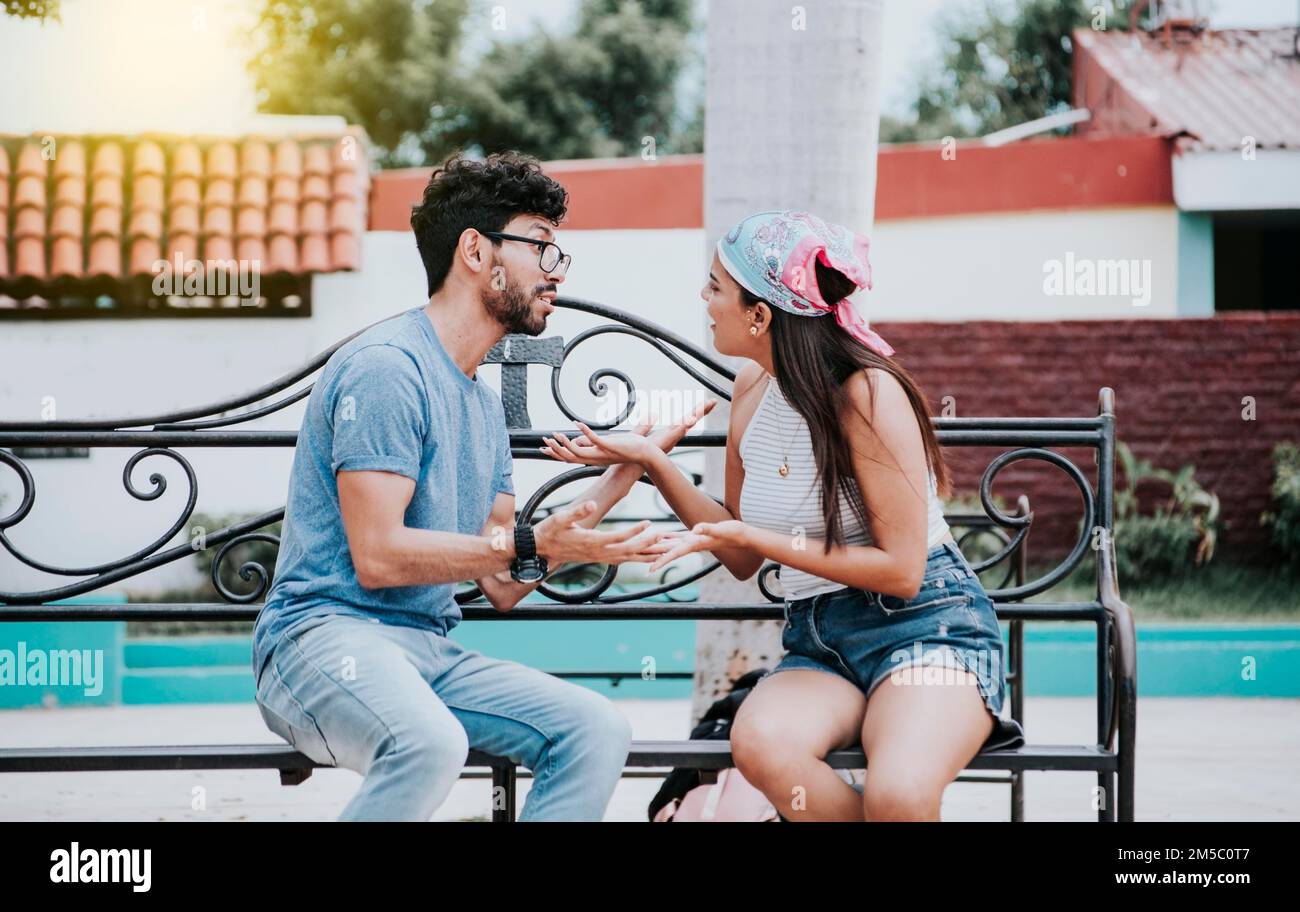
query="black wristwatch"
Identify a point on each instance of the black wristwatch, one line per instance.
(528, 566)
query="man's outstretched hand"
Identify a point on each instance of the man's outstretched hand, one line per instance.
(560, 539)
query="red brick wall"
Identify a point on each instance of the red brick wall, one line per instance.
(1179, 385)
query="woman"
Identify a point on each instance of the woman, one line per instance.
(833, 471)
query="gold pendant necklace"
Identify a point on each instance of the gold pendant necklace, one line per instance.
(784, 469)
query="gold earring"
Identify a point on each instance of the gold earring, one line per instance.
(753, 330)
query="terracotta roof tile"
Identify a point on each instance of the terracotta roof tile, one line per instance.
(145, 223)
(255, 159)
(70, 161)
(315, 252)
(182, 246)
(315, 187)
(115, 206)
(147, 194)
(252, 192)
(344, 216)
(282, 254)
(288, 159)
(65, 256)
(315, 216)
(250, 223)
(346, 184)
(148, 159)
(345, 249)
(184, 192)
(183, 220)
(285, 189)
(30, 161)
(217, 221)
(29, 190)
(145, 251)
(70, 190)
(187, 161)
(252, 248)
(65, 222)
(105, 256)
(218, 247)
(106, 221)
(283, 219)
(29, 223)
(106, 191)
(344, 153)
(29, 257)
(108, 161)
(222, 162)
(316, 159)
(220, 192)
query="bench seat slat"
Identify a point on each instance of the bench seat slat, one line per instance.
(696, 754)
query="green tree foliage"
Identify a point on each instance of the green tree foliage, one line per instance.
(378, 63)
(40, 10)
(596, 92)
(1001, 65)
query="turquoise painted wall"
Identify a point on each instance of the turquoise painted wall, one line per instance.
(1195, 264)
(1173, 660)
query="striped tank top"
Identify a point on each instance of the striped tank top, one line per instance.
(788, 504)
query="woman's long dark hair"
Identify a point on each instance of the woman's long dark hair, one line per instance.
(813, 357)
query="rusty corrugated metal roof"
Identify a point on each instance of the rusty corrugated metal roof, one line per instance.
(1212, 89)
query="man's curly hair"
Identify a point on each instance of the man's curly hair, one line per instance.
(483, 195)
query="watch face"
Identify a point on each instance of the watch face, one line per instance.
(528, 572)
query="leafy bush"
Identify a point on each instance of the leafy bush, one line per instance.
(1283, 519)
(1179, 536)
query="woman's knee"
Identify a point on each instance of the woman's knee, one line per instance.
(898, 793)
(761, 746)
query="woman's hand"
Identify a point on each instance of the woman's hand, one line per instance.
(638, 446)
(731, 533)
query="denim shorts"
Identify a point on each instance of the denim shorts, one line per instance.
(867, 637)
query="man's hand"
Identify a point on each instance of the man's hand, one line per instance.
(560, 539)
(731, 533)
(635, 447)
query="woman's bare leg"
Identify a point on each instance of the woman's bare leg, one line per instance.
(918, 737)
(783, 731)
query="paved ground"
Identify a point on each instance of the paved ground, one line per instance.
(1198, 759)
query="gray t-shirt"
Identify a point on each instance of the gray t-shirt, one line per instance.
(390, 400)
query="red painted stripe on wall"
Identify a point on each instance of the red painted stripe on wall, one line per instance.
(913, 181)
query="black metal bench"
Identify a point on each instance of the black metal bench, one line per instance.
(1111, 756)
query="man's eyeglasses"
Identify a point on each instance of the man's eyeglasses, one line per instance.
(551, 258)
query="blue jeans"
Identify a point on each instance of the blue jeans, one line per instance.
(870, 637)
(402, 707)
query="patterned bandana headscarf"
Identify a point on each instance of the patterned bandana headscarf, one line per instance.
(773, 255)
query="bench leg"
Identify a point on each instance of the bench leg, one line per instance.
(294, 776)
(503, 785)
(1017, 796)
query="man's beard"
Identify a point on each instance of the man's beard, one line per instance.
(513, 309)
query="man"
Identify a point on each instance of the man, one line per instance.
(402, 486)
